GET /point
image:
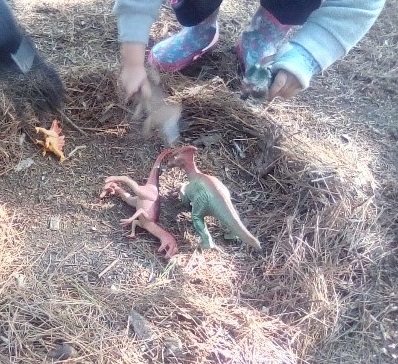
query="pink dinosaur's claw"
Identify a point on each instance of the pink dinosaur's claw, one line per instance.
(125, 222)
(170, 247)
(110, 188)
(115, 179)
(110, 179)
(171, 253)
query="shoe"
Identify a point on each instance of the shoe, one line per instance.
(180, 50)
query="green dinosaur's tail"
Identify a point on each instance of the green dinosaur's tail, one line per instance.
(245, 235)
(224, 210)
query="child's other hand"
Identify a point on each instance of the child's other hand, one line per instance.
(133, 76)
(134, 79)
(285, 85)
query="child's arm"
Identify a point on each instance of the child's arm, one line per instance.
(134, 21)
(135, 18)
(133, 76)
(328, 35)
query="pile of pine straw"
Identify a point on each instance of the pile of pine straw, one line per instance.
(9, 128)
(318, 293)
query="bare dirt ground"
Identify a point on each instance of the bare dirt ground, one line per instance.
(321, 198)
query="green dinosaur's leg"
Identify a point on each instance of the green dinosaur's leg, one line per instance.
(183, 195)
(206, 241)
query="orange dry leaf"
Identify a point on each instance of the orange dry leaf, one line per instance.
(53, 141)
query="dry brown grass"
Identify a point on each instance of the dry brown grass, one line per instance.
(9, 128)
(321, 198)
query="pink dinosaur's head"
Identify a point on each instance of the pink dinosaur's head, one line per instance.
(182, 157)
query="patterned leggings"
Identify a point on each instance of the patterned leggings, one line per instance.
(290, 12)
(10, 35)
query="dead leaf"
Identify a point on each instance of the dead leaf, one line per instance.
(54, 142)
(140, 326)
(208, 140)
(173, 347)
(20, 279)
(55, 223)
(24, 164)
(63, 352)
(270, 152)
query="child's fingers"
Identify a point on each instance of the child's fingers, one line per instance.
(285, 86)
(146, 90)
(277, 85)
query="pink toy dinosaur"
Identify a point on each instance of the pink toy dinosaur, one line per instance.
(147, 204)
(208, 196)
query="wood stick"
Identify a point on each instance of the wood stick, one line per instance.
(108, 268)
(71, 123)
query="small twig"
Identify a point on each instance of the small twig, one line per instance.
(105, 129)
(4, 340)
(128, 324)
(76, 149)
(25, 130)
(322, 178)
(68, 120)
(237, 164)
(108, 268)
(280, 184)
(71, 123)
(94, 129)
(125, 109)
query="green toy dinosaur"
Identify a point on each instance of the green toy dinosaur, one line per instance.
(208, 196)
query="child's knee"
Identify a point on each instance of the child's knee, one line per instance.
(193, 12)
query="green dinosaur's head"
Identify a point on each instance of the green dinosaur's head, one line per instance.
(182, 157)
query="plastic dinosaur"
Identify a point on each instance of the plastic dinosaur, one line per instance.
(54, 141)
(208, 196)
(257, 81)
(147, 204)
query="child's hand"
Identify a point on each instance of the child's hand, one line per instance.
(133, 76)
(285, 85)
(134, 79)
